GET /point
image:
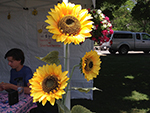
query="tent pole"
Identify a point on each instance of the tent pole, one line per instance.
(66, 56)
(94, 2)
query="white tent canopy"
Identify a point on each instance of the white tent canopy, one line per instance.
(11, 5)
(21, 31)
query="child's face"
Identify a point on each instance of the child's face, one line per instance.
(14, 64)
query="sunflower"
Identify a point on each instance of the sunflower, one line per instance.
(90, 65)
(69, 23)
(48, 83)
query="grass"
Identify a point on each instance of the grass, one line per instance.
(125, 81)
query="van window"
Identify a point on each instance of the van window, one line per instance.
(122, 35)
(145, 37)
(138, 36)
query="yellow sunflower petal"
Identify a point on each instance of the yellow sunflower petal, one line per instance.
(56, 70)
(41, 88)
(76, 10)
(63, 75)
(37, 95)
(64, 31)
(53, 30)
(52, 101)
(44, 101)
(55, 16)
(51, 21)
(82, 14)
(63, 85)
(85, 30)
(90, 65)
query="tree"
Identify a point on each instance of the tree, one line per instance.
(128, 15)
(122, 20)
(141, 14)
(108, 6)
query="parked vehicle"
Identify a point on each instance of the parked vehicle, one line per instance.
(124, 41)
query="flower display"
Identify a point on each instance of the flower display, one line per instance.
(48, 83)
(69, 23)
(90, 65)
(102, 26)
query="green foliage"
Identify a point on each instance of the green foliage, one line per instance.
(136, 96)
(127, 15)
(85, 90)
(117, 3)
(80, 109)
(62, 108)
(75, 109)
(122, 17)
(141, 14)
(129, 77)
(108, 6)
(141, 11)
(51, 58)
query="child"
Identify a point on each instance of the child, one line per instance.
(16, 59)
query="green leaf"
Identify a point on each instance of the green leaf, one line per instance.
(62, 108)
(86, 90)
(136, 96)
(129, 77)
(51, 58)
(80, 109)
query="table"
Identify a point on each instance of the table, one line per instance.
(22, 106)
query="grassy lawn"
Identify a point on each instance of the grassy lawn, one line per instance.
(125, 84)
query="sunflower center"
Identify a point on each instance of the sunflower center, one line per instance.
(69, 25)
(50, 83)
(89, 65)
(69, 22)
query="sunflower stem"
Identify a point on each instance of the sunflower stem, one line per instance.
(70, 76)
(66, 57)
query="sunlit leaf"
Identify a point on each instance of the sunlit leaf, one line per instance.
(129, 77)
(86, 90)
(80, 109)
(136, 96)
(51, 58)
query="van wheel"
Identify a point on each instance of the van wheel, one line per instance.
(112, 51)
(123, 50)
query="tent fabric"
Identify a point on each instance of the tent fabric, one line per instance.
(21, 32)
(9, 5)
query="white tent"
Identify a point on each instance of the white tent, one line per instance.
(9, 5)
(22, 31)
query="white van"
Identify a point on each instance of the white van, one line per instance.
(124, 41)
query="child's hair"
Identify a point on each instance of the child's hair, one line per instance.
(17, 54)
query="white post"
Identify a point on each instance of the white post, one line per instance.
(67, 57)
(94, 3)
(67, 101)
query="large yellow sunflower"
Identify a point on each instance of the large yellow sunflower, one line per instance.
(48, 83)
(69, 23)
(90, 65)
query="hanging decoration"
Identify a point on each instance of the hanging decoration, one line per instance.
(8, 16)
(34, 12)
